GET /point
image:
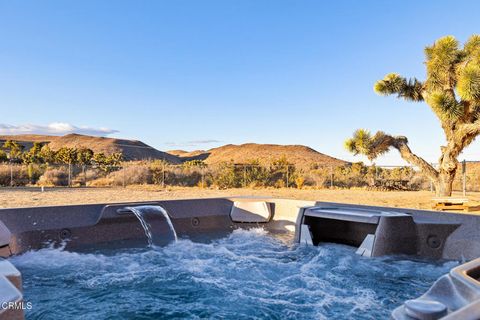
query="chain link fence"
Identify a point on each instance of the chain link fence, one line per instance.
(228, 175)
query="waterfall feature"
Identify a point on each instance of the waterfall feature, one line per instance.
(148, 217)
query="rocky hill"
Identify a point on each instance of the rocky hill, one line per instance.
(301, 156)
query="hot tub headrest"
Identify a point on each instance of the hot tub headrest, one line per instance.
(5, 235)
(251, 212)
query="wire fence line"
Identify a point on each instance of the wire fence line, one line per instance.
(229, 175)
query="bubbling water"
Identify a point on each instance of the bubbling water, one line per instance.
(247, 275)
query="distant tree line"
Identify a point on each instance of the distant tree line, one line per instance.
(40, 165)
(39, 153)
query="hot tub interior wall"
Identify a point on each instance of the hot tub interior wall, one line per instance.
(433, 234)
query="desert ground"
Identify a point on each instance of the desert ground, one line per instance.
(30, 197)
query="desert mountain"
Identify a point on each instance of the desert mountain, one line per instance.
(301, 156)
(131, 149)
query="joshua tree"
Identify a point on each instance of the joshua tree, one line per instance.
(452, 90)
(14, 150)
(84, 156)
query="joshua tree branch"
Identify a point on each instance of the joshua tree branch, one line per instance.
(401, 144)
(469, 129)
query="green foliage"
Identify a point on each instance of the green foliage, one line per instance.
(451, 70)
(226, 176)
(300, 182)
(107, 163)
(13, 150)
(255, 174)
(194, 164)
(84, 156)
(281, 171)
(115, 159)
(33, 155)
(364, 143)
(99, 158)
(469, 83)
(3, 156)
(66, 155)
(446, 106)
(34, 172)
(47, 155)
(395, 84)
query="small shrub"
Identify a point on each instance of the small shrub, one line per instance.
(226, 176)
(131, 175)
(101, 182)
(280, 183)
(19, 173)
(300, 181)
(54, 177)
(34, 172)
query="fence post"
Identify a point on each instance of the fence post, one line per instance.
(69, 174)
(431, 182)
(163, 174)
(202, 170)
(331, 177)
(11, 174)
(464, 171)
(123, 175)
(84, 174)
(287, 176)
(244, 175)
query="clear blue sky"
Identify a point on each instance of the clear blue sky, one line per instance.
(198, 74)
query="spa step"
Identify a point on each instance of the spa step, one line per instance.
(373, 232)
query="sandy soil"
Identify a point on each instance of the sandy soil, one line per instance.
(29, 197)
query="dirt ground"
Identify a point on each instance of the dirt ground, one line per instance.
(30, 197)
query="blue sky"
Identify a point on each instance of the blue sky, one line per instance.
(198, 74)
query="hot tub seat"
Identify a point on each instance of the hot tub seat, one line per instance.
(458, 292)
(373, 232)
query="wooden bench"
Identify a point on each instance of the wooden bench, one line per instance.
(457, 204)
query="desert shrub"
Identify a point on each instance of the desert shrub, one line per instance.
(54, 177)
(225, 176)
(419, 182)
(351, 175)
(128, 175)
(300, 181)
(19, 173)
(3, 156)
(185, 175)
(280, 183)
(281, 169)
(255, 174)
(101, 182)
(34, 172)
(319, 177)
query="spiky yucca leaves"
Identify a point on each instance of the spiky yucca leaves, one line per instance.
(452, 90)
(364, 143)
(359, 143)
(469, 83)
(452, 87)
(394, 84)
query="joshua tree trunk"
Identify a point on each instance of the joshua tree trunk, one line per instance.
(441, 178)
(443, 185)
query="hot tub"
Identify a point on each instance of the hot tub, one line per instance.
(236, 258)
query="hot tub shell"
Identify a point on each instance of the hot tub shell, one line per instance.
(374, 230)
